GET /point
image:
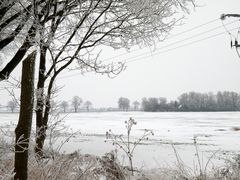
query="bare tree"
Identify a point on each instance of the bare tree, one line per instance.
(12, 105)
(64, 105)
(162, 104)
(24, 125)
(69, 31)
(136, 105)
(88, 105)
(123, 103)
(150, 104)
(76, 102)
(18, 30)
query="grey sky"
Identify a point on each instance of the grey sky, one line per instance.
(204, 66)
(208, 65)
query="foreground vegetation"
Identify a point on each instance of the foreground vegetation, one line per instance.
(76, 166)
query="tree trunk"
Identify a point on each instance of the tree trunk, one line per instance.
(40, 104)
(24, 125)
(45, 118)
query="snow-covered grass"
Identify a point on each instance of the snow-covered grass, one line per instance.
(161, 157)
(214, 131)
(77, 166)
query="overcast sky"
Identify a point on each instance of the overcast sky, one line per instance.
(207, 65)
(192, 65)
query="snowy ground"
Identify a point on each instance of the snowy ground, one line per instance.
(213, 130)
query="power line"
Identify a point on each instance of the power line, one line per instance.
(174, 43)
(165, 51)
(183, 40)
(174, 35)
(196, 27)
(187, 44)
(230, 34)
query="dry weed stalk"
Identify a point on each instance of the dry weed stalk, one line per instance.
(126, 144)
(200, 171)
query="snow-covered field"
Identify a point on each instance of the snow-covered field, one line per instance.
(214, 131)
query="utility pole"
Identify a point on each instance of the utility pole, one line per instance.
(235, 44)
(223, 17)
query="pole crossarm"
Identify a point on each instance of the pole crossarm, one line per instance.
(223, 16)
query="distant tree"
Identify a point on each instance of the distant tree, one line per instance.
(162, 104)
(76, 102)
(196, 102)
(212, 102)
(88, 105)
(173, 106)
(136, 105)
(123, 103)
(150, 104)
(183, 102)
(235, 98)
(222, 101)
(144, 104)
(64, 105)
(153, 104)
(229, 101)
(12, 105)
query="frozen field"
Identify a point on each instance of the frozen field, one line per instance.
(214, 131)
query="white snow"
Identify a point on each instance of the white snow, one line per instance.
(213, 130)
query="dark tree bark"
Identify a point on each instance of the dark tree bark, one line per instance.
(6, 71)
(28, 40)
(12, 36)
(5, 8)
(40, 104)
(24, 126)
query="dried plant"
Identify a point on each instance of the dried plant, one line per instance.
(125, 143)
(200, 171)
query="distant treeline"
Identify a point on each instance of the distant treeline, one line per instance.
(194, 101)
